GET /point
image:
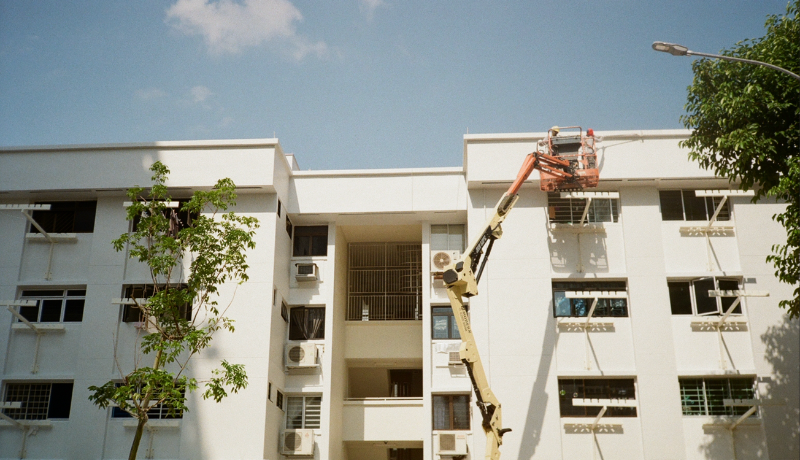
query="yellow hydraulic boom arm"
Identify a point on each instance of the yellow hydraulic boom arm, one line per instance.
(461, 278)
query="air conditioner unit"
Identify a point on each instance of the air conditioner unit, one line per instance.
(306, 271)
(454, 357)
(451, 444)
(297, 443)
(441, 259)
(301, 355)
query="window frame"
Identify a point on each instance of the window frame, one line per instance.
(565, 401)
(605, 307)
(452, 326)
(129, 292)
(279, 399)
(729, 411)
(451, 413)
(36, 295)
(309, 240)
(452, 245)
(26, 415)
(304, 412)
(292, 324)
(555, 205)
(709, 203)
(48, 220)
(722, 303)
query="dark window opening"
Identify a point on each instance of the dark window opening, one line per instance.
(288, 226)
(691, 297)
(569, 389)
(405, 383)
(451, 412)
(685, 205)
(279, 208)
(185, 219)
(564, 307)
(405, 454)
(307, 323)
(311, 241)
(158, 411)
(279, 399)
(66, 217)
(284, 311)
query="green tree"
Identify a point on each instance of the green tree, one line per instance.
(215, 242)
(744, 122)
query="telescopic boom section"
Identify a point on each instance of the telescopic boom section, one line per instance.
(572, 170)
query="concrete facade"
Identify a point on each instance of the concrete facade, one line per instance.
(525, 348)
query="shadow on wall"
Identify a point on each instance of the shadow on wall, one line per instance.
(780, 413)
(565, 258)
(531, 435)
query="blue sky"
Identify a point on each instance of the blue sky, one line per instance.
(350, 84)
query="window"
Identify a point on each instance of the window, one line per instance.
(705, 396)
(279, 208)
(132, 313)
(288, 226)
(405, 383)
(691, 297)
(269, 391)
(444, 324)
(303, 411)
(66, 217)
(684, 205)
(284, 311)
(569, 389)
(570, 210)
(307, 323)
(563, 306)
(311, 241)
(54, 305)
(451, 412)
(408, 453)
(40, 401)
(447, 237)
(184, 218)
(279, 399)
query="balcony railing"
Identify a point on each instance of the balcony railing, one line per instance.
(384, 282)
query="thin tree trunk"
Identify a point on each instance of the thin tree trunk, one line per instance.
(137, 438)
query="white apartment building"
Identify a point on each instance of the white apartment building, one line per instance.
(344, 326)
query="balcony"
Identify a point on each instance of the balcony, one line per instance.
(384, 419)
(384, 282)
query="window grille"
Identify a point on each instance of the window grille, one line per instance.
(384, 282)
(39, 401)
(570, 210)
(705, 396)
(303, 412)
(569, 389)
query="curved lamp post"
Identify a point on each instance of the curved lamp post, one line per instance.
(680, 50)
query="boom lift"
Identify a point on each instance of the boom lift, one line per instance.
(565, 163)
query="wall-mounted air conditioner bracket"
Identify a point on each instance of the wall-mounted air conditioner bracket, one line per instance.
(723, 323)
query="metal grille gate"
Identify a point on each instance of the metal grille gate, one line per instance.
(384, 282)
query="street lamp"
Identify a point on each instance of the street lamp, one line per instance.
(680, 50)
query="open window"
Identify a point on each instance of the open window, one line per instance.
(307, 323)
(66, 217)
(691, 297)
(133, 314)
(310, 241)
(685, 205)
(707, 395)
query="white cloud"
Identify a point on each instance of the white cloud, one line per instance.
(148, 94)
(200, 93)
(228, 26)
(369, 7)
